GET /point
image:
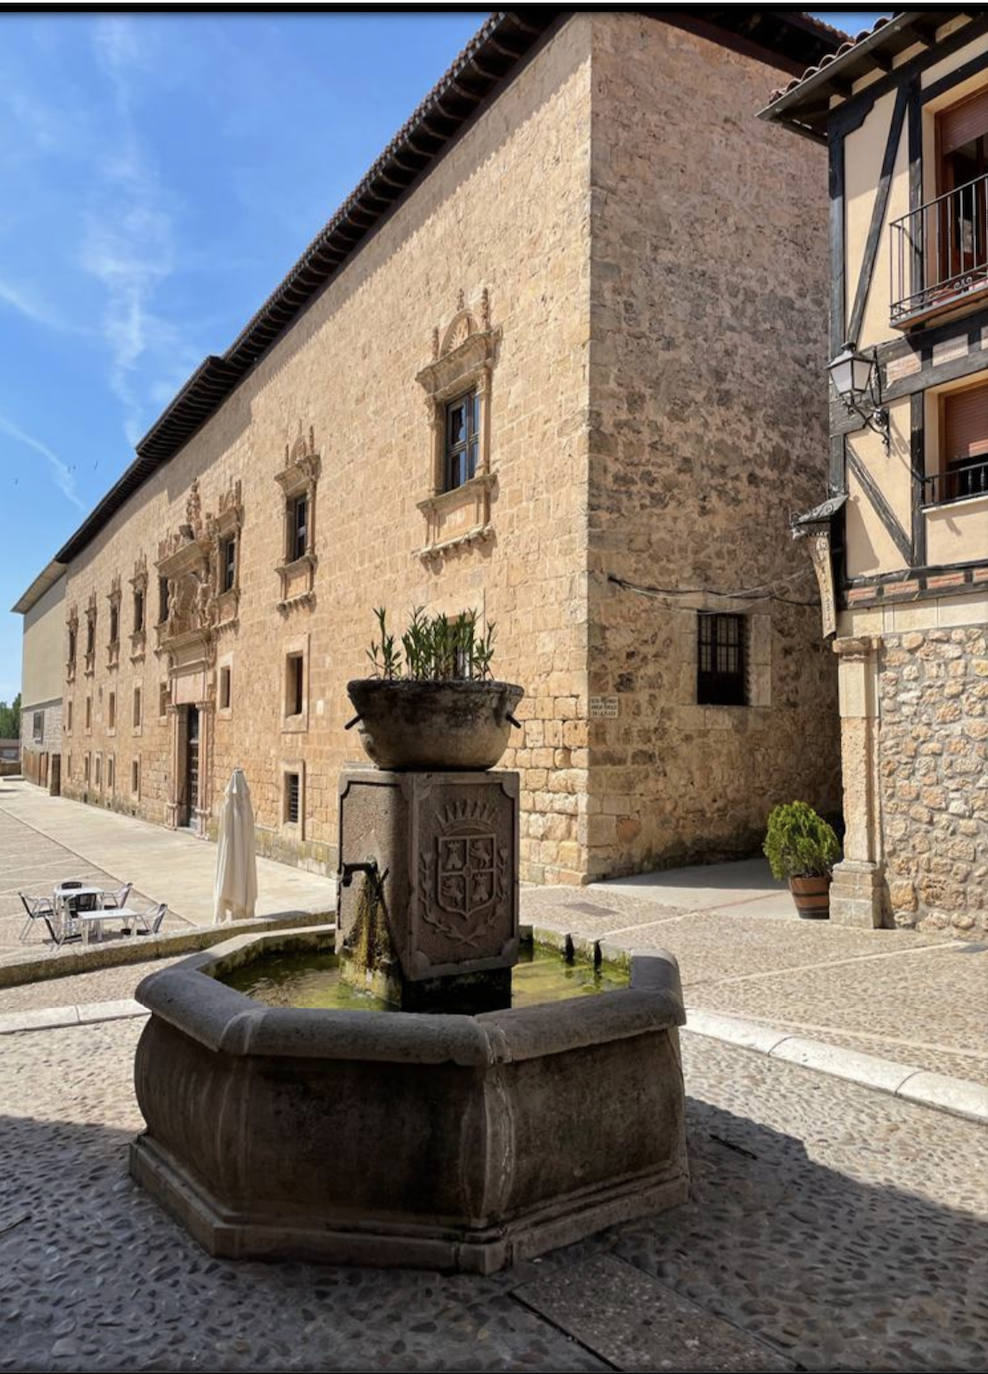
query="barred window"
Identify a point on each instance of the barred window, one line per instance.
(721, 678)
(292, 798)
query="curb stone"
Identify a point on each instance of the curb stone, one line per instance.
(959, 1096)
(36, 968)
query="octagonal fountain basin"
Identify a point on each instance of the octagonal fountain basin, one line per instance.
(398, 1138)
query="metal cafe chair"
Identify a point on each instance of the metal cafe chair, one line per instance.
(39, 909)
(118, 898)
(150, 920)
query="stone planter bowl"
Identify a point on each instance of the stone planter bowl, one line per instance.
(457, 724)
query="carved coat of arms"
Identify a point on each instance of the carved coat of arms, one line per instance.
(462, 882)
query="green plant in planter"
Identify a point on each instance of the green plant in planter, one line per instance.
(799, 843)
(436, 648)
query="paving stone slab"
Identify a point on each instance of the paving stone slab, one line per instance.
(635, 1322)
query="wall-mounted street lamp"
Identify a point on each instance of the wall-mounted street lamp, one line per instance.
(857, 381)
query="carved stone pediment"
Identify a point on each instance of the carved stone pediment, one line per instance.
(467, 349)
(302, 465)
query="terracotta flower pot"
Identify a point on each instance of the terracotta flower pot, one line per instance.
(812, 897)
(457, 724)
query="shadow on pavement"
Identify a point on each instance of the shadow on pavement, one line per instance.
(832, 1271)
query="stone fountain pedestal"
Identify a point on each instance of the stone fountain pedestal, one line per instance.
(428, 906)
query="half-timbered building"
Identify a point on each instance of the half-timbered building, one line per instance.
(901, 543)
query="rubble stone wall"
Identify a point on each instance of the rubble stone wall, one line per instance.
(933, 766)
(709, 278)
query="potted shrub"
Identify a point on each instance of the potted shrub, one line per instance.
(801, 847)
(432, 702)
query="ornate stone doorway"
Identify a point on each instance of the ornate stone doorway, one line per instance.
(197, 569)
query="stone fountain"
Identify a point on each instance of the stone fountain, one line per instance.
(452, 1132)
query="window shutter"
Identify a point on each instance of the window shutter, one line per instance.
(965, 424)
(964, 123)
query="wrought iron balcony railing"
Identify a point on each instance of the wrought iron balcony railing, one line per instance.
(940, 251)
(963, 479)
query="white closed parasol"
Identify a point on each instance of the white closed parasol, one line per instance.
(235, 891)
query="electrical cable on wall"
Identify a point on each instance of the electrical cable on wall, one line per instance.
(765, 592)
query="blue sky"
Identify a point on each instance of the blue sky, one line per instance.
(159, 174)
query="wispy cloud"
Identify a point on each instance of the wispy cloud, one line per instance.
(60, 472)
(129, 237)
(33, 308)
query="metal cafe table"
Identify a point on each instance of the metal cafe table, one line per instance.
(91, 920)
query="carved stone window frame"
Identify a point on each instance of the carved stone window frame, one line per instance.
(463, 360)
(139, 586)
(228, 525)
(299, 477)
(113, 644)
(90, 652)
(72, 647)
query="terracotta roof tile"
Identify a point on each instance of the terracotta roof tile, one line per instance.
(826, 61)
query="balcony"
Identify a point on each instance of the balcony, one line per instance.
(939, 255)
(961, 480)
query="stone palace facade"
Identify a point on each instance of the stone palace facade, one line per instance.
(556, 360)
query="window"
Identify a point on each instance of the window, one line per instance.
(462, 440)
(99, 759)
(163, 695)
(85, 767)
(299, 481)
(224, 689)
(38, 726)
(135, 776)
(962, 141)
(110, 772)
(137, 706)
(298, 527)
(138, 611)
(721, 678)
(68, 766)
(114, 623)
(294, 685)
(68, 716)
(89, 713)
(292, 795)
(162, 600)
(963, 445)
(111, 711)
(228, 564)
(72, 636)
(90, 635)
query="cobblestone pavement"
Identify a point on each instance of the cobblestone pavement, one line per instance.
(916, 997)
(102, 985)
(830, 1228)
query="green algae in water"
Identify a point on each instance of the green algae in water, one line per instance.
(312, 980)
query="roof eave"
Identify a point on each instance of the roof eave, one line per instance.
(835, 78)
(44, 581)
